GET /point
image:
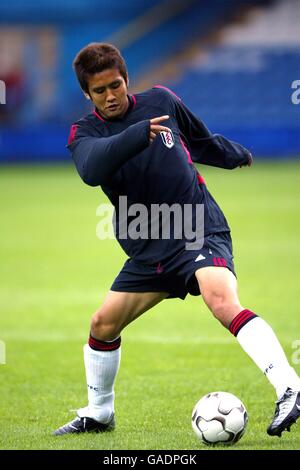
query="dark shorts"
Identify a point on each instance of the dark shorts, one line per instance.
(177, 275)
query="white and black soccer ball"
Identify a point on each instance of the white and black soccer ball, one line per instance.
(219, 417)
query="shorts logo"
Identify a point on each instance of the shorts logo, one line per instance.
(200, 257)
(167, 138)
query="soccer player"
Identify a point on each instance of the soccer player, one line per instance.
(143, 147)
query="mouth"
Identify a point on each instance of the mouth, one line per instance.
(112, 107)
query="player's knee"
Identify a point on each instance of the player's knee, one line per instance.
(103, 328)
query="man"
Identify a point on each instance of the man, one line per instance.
(143, 147)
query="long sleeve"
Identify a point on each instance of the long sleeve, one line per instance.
(98, 158)
(205, 147)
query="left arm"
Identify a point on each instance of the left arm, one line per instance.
(207, 148)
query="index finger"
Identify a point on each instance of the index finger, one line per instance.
(159, 119)
(157, 128)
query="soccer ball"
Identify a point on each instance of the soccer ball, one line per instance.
(219, 417)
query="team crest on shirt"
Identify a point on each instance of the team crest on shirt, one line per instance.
(167, 138)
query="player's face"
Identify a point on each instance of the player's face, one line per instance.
(108, 92)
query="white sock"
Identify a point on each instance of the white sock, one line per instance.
(101, 368)
(260, 342)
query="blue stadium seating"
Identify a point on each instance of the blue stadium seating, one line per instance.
(246, 92)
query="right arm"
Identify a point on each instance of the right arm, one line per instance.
(98, 158)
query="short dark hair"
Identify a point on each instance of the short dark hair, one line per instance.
(96, 57)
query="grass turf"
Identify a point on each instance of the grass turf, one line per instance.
(54, 273)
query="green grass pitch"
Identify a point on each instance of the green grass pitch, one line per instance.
(54, 273)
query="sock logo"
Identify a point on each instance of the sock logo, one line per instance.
(96, 389)
(268, 368)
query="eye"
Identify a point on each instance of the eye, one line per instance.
(116, 84)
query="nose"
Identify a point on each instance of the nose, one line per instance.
(110, 97)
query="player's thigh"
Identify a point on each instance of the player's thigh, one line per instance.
(121, 308)
(218, 286)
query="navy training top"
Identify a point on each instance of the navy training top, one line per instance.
(117, 155)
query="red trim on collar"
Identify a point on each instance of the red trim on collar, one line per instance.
(98, 116)
(134, 100)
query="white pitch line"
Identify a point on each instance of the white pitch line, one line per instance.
(57, 337)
